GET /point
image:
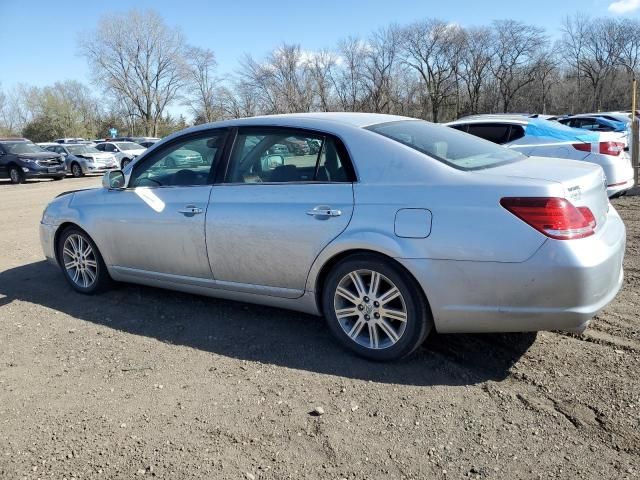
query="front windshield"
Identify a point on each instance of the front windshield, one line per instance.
(81, 149)
(129, 146)
(456, 149)
(22, 147)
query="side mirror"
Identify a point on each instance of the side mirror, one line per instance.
(113, 180)
(272, 161)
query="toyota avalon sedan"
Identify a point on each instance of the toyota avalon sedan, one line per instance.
(393, 228)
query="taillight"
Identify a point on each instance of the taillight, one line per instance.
(554, 217)
(611, 148)
(605, 148)
(583, 147)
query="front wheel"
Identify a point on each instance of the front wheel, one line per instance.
(125, 162)
(375, 308)
(81, 262)
(15, 175)
(76, 170)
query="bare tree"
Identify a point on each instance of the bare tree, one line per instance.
(602, 54)
(238, 102)
(380, 61)
(348, 82)
(322, 68)
(431, 49)
(574, 33)
(282, 83)
(475, 63)
(517, 51)
(629, 55)
(201, 84)
(137, 56)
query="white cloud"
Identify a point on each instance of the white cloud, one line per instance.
(624, 6)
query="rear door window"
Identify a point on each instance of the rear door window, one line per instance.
(494, 132)
(516, 133)
(274, 155)
(445, 144)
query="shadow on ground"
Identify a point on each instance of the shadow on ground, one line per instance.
(263, 334)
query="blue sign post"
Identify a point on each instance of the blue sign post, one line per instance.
(113, 132)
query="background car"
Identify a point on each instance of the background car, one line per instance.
(398, 227)
(594, 123)
(69, 140)
(81, 159)
(619, 122)
(543, 138)
(21, 159)
(125, 152)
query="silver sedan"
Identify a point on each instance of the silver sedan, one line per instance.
(392, 228)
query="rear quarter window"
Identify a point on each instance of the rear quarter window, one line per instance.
(447, 145)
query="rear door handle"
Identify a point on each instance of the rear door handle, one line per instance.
(324, 211)
(190, 210)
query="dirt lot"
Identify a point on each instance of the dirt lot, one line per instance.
(146, 382)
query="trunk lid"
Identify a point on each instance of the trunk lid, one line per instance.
(584, 183)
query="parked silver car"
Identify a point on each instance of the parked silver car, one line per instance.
(81, 159)
(394, 228)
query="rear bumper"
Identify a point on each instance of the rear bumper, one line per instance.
(619, 173)
(620, 187)
(561, 287)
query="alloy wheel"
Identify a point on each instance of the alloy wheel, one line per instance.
(76, 170)
(370, 309)
(14, 175)
(80, 261)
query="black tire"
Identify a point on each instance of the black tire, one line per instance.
(76, 170)
(125, 162)
(419, 321)
(57, 178)
(102, 278)
(16, 175)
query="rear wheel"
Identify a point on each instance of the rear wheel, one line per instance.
(81, 262)
(16, 175)
(76, 170)
(374, 308)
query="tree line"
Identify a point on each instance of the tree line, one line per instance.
(430, 69)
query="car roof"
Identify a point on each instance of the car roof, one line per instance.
(318, 120)
(514, 118)
(14, 139)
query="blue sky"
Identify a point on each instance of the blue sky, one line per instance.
(39, 38)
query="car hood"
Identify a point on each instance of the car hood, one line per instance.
(40, 155)
(96, 156)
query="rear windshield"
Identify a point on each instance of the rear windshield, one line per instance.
(456, 149)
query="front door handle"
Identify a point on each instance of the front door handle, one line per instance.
(324, 211)
(190, 210)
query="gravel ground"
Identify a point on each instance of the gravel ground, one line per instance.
(146, 382)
